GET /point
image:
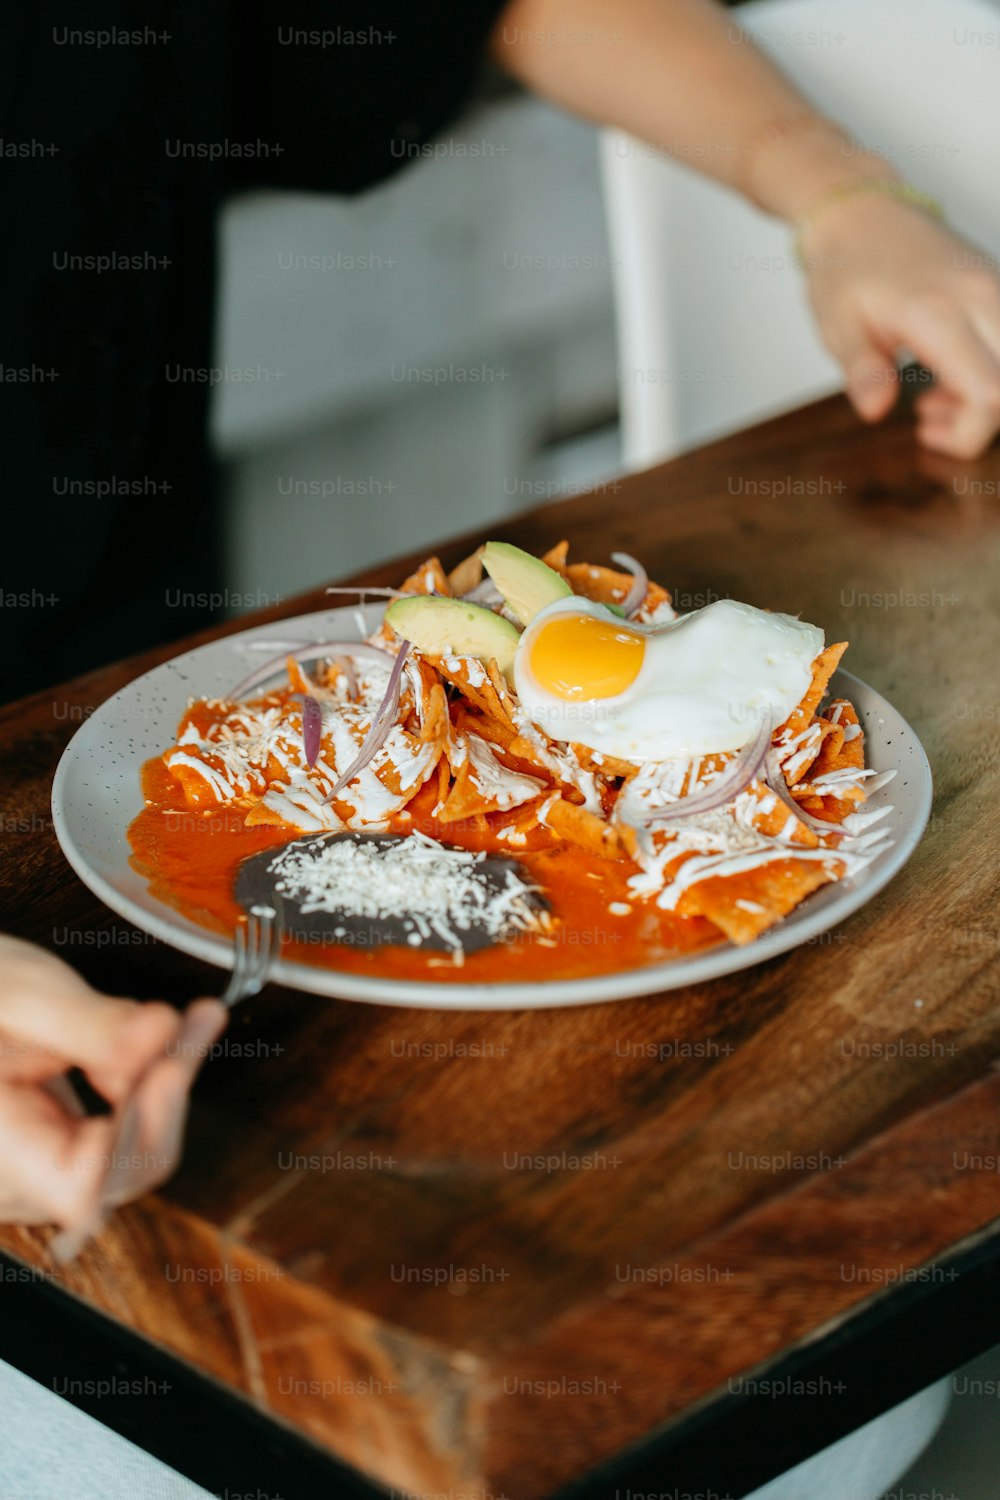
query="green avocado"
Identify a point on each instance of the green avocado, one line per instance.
(527, 584)
(443, 627)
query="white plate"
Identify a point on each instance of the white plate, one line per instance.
(96, 794)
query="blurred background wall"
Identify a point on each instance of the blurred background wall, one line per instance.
(434, 354)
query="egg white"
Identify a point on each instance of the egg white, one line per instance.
(705, 681)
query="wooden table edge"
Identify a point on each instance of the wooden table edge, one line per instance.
(711, 1445)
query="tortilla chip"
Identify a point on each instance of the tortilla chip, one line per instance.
(261, 813)
(830, 746)
(501, 736)
(502, 690)
(298, 680)
(603, 764)
(837, 752)
(522, 828)
(796, 768)
(329, 673)
(773, 821)
(823, 669)
(197, 791)
(585, 829)
(606, 586)
(443, 784)
(497, 731)
(464, 577)
(838, 755)
(560, 764)
(200, 790)
(429, 578)
(437, 722)
(419, 712)
(484, 785)
(767, 893)
(473, 682)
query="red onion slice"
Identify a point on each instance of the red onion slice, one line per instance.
(417, 684)
(312, 727)
(485, 593)
(347, 667)
(381, 724)
(293, 648)
(640, 582)
(775, 778)
(348, 649)
(737, 775)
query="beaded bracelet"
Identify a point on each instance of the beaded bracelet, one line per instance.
(892, 187)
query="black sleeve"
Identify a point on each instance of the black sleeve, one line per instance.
(336, 97)
(130, 147)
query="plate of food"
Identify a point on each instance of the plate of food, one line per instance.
(527, 782)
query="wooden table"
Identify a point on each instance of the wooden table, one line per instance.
(474, 1254)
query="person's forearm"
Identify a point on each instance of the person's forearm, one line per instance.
(681, 75)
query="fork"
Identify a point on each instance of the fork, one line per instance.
(254, 949)
(253, 952)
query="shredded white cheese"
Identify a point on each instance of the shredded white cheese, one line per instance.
(432, 890)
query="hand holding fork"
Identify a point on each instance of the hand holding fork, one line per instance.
(57, 1162)
(150, 1122)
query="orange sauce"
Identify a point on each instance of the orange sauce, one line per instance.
(189, 855)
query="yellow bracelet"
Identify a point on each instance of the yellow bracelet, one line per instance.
(892, 187)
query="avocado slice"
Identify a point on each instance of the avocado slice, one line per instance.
(444, 626)
(526, 583)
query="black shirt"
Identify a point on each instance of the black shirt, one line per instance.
(120, 135)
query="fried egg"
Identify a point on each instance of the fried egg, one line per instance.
(697, 685)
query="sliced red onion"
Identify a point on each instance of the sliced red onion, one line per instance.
(640, 582)
(296, 647)
(381, 724)
(737, 775)
(311, 652)
(312, 727)
(416, 682)
(347, 667)
(775, 778)
(485, 593)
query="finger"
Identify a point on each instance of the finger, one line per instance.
(129, 1045)
(965, 367)
(53, 1163)
(871, 379)
(935, 412)
(937, 402)
(67, 1022)
(202, 1024)
(153, 1126)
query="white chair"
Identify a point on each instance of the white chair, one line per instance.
(714, 330)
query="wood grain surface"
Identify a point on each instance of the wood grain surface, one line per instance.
(486, 1252)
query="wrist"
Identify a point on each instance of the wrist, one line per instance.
(789, 169)
(859, 215)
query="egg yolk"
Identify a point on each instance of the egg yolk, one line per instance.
(580, 656)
